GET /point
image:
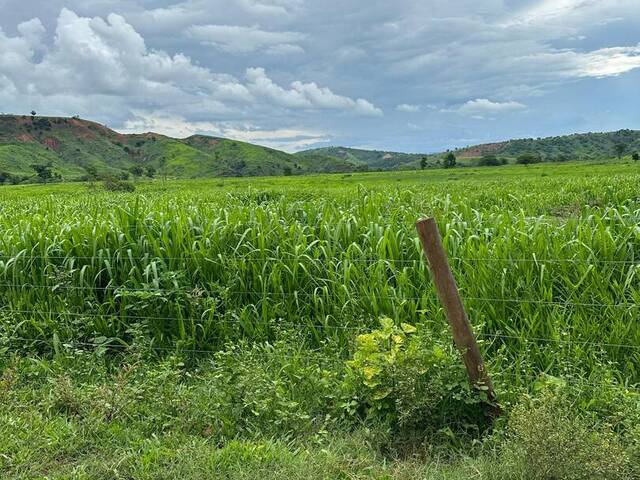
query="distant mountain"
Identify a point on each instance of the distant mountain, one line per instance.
(579, 146)
(373, 159)
(77, 148)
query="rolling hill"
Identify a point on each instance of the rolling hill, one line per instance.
(579, 146)
(78, 148)
(372, 159)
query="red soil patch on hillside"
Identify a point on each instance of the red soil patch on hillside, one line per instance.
(25, 138)
(480, 150)
(51, 143)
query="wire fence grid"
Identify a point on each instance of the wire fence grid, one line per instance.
(224, 258)
(318, 292)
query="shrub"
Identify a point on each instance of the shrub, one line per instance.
(549, 439)
(112, 184)
(489, 161)
(411, 381)
(527, 159)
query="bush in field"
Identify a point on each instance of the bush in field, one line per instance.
(527, 159)
(44, 172)
(489, 161)
(635, 156)
(113, 184)
(549, 438)
(410, 381)
(137, 170)
(5, 177)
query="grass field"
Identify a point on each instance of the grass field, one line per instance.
(272, 327)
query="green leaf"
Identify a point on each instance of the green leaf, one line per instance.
(406, 328)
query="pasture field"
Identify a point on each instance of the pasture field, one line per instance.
(271, 327)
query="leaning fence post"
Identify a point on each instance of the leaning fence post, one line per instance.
(454, 309)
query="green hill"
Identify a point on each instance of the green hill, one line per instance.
(371, 159)
(79, 148)
(579, 146)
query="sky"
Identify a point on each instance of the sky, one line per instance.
(403, 75)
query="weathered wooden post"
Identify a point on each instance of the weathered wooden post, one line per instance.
(454, 309)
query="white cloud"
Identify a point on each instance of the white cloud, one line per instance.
(239, 39)
(482, 106)
(571, 13)
(305, 95)
(608, 62)
(269, 7)
(101, 66)
(408, 108)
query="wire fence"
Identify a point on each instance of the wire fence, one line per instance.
(320, 291)
(224, 258)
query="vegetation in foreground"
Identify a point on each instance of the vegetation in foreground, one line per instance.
(261, 328)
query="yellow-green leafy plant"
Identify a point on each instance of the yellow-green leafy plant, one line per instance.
(408, 378)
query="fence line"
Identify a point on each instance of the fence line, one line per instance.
(222, 258)
(319, 293)
(319, 326)
(558, 340)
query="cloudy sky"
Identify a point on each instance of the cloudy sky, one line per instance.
(409, 75)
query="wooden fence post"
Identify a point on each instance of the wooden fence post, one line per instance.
(456, 315)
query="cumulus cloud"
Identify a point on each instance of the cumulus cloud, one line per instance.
(408, 108)
(481, 107)
(239, 39)
(91, 59)
(305, 95)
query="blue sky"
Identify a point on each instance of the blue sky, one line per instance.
(416, 76)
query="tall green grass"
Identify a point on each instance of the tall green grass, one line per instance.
(548, 266)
